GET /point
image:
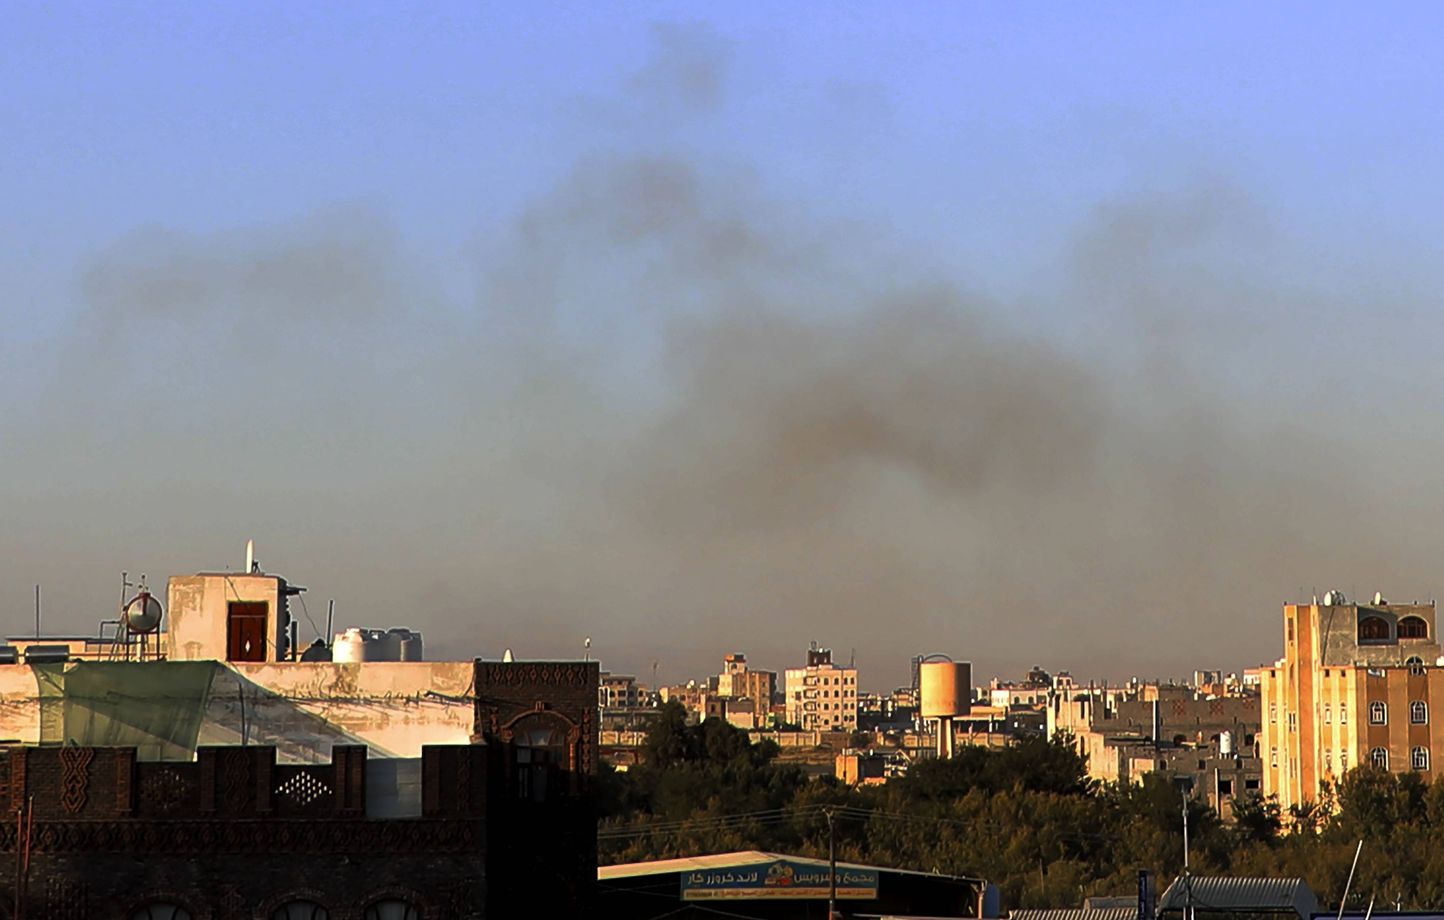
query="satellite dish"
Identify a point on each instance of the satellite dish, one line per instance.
(142, 614)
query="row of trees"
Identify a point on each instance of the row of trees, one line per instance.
(1028, 818)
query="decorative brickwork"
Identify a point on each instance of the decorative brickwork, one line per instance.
(75, 777)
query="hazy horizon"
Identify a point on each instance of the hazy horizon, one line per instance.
(1029, 336)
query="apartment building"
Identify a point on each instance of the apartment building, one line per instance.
(822, 696)
(738, 681)
(618, 691)
(1354, 687)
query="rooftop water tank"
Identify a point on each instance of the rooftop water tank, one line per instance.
(9, 654)
(381, 646)
(47, 654)
(1225, 744)
(142, 614)
(411, 649)
(349, 646)
(946, 688)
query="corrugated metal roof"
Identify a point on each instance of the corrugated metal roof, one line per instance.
(740, 858)
(1225, 894)
(1077, 913)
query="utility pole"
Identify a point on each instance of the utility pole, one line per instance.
(831, 866)
(1187, 882)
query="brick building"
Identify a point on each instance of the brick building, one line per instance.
(500, 827)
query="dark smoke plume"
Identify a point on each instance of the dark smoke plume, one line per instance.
(688, 416)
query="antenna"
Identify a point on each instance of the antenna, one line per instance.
(37, 611)
(250, 556)
(587, 645)
(330, 616)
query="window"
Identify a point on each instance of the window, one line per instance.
(161, 910)
(1293, 721)
(1328, 761)
(1273, 757)
(300, 910)
(1250, 784)
(1343, 761)
(540, 749)
(1373, 629)
(1273, 712)
(1328, 716)
(1419, 758)
(1416, 665)
(1378, 713)
(1412, 627)
(1419, 712)
(1343, 714)
(392, 909)
(1380, 758)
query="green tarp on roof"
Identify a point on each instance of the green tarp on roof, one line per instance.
(156, 708)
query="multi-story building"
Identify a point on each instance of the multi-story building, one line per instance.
(740, 682)
(822, 696)
(618, 691)
(1354, 688)
(1207, 741)
(733, 679)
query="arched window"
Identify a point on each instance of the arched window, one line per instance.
(1380, 758)
(539, 746)
(1378, 713)
(1412, 627)
(300, 910)
(392, 909)
(1419, 758)
(161, 910)
(1373, 629)
(1416, 665)
(1419, 712)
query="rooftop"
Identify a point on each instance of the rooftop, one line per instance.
(742, 858)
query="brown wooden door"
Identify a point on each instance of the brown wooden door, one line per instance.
(246, 631)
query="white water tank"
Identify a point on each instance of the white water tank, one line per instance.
(946, 688)
(1225, 744)
(349, 646)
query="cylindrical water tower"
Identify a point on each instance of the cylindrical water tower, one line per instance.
(946, 688)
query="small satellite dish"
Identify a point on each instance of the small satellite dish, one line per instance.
(142, 614)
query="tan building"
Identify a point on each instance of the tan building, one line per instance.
(1354, 687)
(740, 682)
(822, 696)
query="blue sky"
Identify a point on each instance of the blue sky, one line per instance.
(1268, 173)
(975, 130)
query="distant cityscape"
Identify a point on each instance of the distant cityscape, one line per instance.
(202, 730)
